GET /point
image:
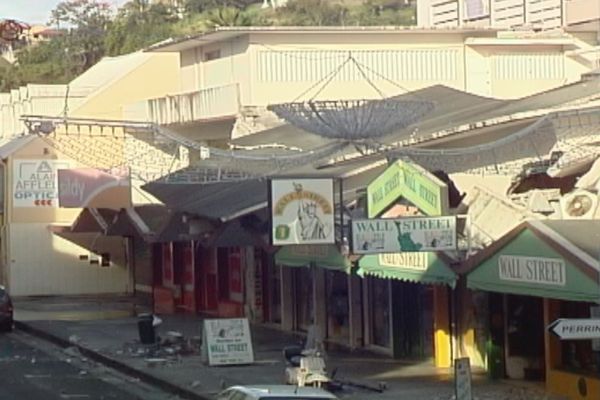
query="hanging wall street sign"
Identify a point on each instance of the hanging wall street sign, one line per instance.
(371, 236)
(576, 329)
(302, 211)
(408, 180)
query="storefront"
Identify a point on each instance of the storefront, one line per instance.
(268, 287)
(407, 305)
(320, 290)
(537, 273)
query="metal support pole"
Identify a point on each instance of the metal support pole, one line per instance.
(341, 200)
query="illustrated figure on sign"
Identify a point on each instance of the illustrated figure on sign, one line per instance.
(311, 226)
(406, 242)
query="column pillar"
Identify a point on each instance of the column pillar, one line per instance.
(320, 303)
(441, 327)
(287, 299)
(355, 311)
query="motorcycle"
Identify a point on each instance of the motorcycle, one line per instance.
(305, 365)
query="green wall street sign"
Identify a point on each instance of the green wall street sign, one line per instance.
(407, 180)
(421, 234)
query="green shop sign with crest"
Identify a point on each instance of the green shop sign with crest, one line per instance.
(407, 180)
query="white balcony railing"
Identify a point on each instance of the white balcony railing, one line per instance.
(184, 108)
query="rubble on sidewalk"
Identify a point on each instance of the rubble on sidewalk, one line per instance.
(171, 348)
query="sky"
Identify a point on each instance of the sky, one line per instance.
(34, 11)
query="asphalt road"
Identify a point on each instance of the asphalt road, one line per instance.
(31, 369)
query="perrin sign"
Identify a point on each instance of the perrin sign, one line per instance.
(35, 182)
(370, 236)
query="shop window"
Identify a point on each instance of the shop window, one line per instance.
(338, 313)
(582, 356)
(223, 272)
(379, 296)
(525, 333)
(2, 188)
(212, 55)
(413, 326)
(303, 289)
(178, 263)
(271, 289)
(157, 258)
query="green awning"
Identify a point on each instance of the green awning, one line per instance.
(425, 268)
(324, 256)
(527, 265)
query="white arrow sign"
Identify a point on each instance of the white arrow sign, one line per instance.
(576, 329)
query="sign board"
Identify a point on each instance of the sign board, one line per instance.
(462, 379)
(413, 261)
(302, 211)
(35, 182)
(89, 187)
(576, 328)
(595, 313)
(408, 180)
(422, 234)
(227, 342)
(539, 270)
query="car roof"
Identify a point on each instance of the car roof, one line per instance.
(266, 391)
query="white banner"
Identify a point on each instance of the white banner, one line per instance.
(462, 379)
(227, 341)
(422, 234)
(302, 211)
(35, 182)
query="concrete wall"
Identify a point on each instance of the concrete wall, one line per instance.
(52, 266)
(157, 77)
(273, 68)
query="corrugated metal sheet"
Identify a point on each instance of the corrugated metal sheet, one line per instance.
(526, 66)
(398, 65)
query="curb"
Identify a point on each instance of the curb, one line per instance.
(150, 379)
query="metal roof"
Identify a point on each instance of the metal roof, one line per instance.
(584, 234)
(228, 200)
(226, 33)
(9, 146)
(214, 201)
(109, 69)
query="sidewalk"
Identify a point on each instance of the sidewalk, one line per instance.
(115, 341)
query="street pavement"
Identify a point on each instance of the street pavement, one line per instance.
(115, 339)
(32, 370)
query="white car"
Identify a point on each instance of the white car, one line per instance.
(275, 392)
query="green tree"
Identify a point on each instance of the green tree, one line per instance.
(138, 25)
(311, 13)
(200, 6)
(88, 21)
(382, 12)
(227, 16)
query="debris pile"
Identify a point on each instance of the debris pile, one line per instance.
(168, 349)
